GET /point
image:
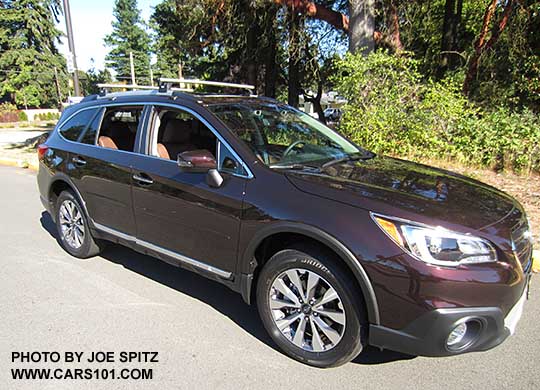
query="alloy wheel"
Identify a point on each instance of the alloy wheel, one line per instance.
(71, 224)
(307, 310)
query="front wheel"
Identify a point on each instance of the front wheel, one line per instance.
(310, 307)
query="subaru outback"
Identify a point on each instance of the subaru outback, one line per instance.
(339, 248)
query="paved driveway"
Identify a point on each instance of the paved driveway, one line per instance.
(206, 337)
(12, 136)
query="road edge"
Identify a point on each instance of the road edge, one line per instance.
(19, 163)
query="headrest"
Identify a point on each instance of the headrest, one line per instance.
(177, 131)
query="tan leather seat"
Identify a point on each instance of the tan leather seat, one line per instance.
(162, 151)
(107, 142)
(177, 136)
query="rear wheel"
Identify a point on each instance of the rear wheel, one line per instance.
(310, 307)
(72, 227)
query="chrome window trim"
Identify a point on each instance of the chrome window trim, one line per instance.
(183, 259)
(59, 125)
(214, 131)
(249, 175)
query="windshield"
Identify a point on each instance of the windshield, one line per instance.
(282, 136)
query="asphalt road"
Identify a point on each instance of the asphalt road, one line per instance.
(206, 337)
(10, 136)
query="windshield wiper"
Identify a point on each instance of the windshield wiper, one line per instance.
(295, 167)
(347, 158)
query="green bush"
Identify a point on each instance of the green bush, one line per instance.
(392, 110)
(23, 117)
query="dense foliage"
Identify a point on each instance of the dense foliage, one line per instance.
(454, 79)
(28, 53)
(393, 110)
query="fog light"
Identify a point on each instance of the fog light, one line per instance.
(456, 336)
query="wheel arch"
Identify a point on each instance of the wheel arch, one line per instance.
(61, 182)
(249, 262)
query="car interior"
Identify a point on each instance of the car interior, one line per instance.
(119, 128)
(179, 132)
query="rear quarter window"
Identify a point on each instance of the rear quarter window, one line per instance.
(75, 126)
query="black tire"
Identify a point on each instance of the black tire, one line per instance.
(90, 246)
(324, 265)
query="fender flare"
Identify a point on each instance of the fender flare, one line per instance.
(60, 176)
(324, 238)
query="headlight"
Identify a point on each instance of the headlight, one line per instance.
(436, 245)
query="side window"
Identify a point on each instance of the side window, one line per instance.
(73, 128)
(119, 128)
(89, 135)
(227, 162)
(176, 131)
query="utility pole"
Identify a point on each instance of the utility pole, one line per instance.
(151, 76)
(58, 89)
(133, 82)
(71, 45)
(180, 73)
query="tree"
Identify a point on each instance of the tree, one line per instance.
(359, 23)
(449, 42)
(218, 39)
(318, 11)
(91, 79)
(28, 53)
(483, 43)
(129, 36)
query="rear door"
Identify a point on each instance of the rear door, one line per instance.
(178, 213)
(103, 174)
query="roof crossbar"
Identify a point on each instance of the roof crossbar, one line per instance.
(106, 88)
(166, 84)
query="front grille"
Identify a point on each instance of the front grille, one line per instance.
(522, 244)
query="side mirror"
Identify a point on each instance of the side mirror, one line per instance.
(196, 161)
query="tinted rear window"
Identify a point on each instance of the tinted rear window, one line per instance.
(89, 136)
(74, 127)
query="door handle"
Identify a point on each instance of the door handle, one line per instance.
(143, 180)
(78, 161)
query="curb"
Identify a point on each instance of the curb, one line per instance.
(11, 162)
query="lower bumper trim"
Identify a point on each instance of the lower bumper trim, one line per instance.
(427, 335)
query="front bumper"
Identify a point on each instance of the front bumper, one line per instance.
(428, 334)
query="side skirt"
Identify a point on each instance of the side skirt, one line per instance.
(167, 256)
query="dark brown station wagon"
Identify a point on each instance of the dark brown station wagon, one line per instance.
(338, 247)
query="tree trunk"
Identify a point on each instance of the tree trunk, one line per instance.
(361, 26)
(482, 43)
(270, 65)
(251, 57)
(294, 60)
(395, 35)
(452, 19)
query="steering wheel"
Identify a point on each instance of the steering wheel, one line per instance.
(291, 147)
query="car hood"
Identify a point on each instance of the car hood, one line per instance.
(408, 190)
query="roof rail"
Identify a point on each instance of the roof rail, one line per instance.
(106, 88)
(166, 84)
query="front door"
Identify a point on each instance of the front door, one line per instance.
(177, 212)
